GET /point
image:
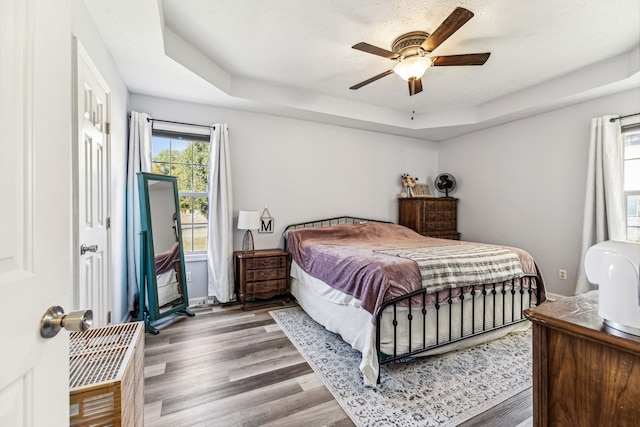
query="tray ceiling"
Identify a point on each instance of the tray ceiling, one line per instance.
(294, 57)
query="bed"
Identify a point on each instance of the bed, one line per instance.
(394, 295)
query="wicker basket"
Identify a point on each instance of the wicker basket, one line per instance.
(106, 376)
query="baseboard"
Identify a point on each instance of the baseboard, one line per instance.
(195, 302)
(553, 297)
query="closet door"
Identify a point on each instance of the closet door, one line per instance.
(91, 155)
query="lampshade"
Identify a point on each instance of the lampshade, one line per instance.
(248, 220)
(413, 66)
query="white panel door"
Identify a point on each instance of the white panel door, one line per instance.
(92, 204)
(35, 209)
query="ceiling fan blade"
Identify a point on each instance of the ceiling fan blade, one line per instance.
(465, 59)
(415, 86)
(369, 48)
(371, 80)
(457, 19)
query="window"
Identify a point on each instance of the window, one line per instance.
(631, 137)
(186, 156)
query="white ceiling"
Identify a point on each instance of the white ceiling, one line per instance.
(294, 57)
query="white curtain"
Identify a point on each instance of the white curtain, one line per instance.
(220, 246)
(138, 160)
(604, 201)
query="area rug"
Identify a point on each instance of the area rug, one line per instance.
(443, 390)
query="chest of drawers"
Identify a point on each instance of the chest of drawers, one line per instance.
(430, 216)
(261, 274)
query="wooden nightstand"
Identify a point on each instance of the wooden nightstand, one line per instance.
(261, 274)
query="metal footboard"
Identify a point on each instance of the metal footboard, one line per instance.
(498, 305)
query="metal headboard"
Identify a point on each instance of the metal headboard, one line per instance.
(328, 222)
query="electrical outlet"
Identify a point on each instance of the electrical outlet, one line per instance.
(562, 274)
(188, 276)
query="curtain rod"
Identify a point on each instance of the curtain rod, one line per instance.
(149, 119)
(623, 117)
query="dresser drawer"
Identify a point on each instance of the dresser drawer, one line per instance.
(269, 286)
(448, 204)
(266, 274)
(438, 226)
(448, 215)
(428, 215)
(266, 262)
(451, 235)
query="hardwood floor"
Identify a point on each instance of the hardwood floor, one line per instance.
(233, 367)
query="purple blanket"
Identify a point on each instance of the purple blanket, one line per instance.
(343, 257)
(166, 260)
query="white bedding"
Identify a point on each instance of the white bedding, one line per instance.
(342, 314)
(168, 287)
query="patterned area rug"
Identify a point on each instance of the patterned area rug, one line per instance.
(443, 390)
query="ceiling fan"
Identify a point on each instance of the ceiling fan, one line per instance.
(411, 50)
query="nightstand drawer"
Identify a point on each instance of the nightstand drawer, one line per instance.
(266, 287)
(266, 262)
(266, 274)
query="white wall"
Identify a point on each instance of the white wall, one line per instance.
(85, 30)
(303, 170)
(523, 183)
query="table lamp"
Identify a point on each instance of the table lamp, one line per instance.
(248, 220)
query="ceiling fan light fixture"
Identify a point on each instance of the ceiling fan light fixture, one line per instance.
(412, 67)
(410, 50)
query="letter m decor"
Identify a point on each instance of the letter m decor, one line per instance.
(266, 222)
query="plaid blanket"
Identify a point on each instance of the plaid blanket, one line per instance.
(461, 265)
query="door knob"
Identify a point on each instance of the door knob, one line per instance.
(54, 319)
(84, 249)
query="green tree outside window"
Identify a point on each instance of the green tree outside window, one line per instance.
(188, 161)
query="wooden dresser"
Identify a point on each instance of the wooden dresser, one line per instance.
(584, 373)
(430, 216)
(261, 274)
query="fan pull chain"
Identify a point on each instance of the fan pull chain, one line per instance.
(413, 99)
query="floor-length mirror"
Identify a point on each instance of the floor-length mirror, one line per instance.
(163, 285)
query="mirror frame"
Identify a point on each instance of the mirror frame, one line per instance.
(149, 308)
